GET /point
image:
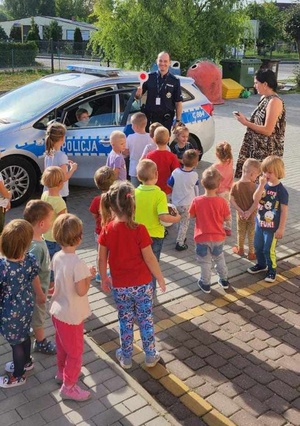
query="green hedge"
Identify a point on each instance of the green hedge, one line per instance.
(17, 54)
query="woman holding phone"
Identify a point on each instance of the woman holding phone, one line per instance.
(266, 126)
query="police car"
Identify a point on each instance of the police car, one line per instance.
(108, 96)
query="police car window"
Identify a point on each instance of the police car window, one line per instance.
(98, 112)
(186, 96)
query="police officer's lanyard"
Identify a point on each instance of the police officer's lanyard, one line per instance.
(159, 87)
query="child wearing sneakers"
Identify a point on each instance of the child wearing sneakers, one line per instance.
(241, 198)
(151, 206)
(103, 178)
(136, 143)
(225, 166)
(185, 184)
(272, 198)
(40, 215)
(69, 305)
(210, 212)
(127, 247)
(165, 160)
(19, 276)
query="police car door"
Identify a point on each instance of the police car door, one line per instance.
(87, 142)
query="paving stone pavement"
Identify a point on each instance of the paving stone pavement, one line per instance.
(234, 357)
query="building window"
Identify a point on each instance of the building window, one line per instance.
(84, 33)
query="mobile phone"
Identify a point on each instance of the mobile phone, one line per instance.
(235, 113)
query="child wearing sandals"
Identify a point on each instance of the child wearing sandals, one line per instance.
(40, 215)
(127, 246)
(69, 305)
(19, 277)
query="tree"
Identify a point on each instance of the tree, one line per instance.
(15, 33)
(79, 9)
(3, 35)
(46, 8)
(53, 30)
(77, 44)
(33, 33)
(21, 8)
(270, 24)
(132, 32)
(292, 25)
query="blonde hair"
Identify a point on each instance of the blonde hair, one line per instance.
(67, 230)
(139, 119)
(211, 178)
(36, 210)
(251, 164)
(224, 152)
(274, 165)
(54, 133)
(116, 135)
(146, 170)
(161, 136)
(104, 177)
(153, 127)
(190, 158)
(52, 177)
(16, 238)
(119, 199)
(181, 129)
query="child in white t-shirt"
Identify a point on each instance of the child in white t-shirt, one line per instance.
(69, 305)
(185, 184)
(136, 143)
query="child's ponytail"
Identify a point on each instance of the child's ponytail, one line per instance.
(55, 132)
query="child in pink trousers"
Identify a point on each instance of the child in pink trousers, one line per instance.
(69, 305)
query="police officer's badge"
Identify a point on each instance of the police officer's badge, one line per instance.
(168, 95)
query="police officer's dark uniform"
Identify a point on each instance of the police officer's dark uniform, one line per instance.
(162, 94)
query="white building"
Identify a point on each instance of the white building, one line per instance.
(68, 26)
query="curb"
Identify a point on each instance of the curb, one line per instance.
(131, 381)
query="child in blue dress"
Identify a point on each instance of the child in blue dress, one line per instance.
(19, 274)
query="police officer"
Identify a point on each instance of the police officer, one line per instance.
(164, 97)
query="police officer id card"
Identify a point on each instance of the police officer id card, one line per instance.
(157, 101)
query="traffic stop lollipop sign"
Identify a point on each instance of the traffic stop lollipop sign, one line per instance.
(143, 76)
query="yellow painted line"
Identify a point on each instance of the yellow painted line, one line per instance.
(194, 402)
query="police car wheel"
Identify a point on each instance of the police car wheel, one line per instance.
(19, 177)
(196, 144)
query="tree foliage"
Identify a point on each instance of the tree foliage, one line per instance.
(270, 24)
(15, 33)
(53, 30)
(3, 35)
(80, 9)
(132, 32)
(33, 33)
(18, 9)
(292, 25)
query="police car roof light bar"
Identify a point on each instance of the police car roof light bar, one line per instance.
(94, 69)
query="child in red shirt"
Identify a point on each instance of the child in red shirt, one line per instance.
(127, 247)
(210, 211)
(225, 166)
(165, 160)
(103, 178)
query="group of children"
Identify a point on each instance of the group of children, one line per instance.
(129, 233)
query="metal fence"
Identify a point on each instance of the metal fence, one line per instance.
(12, 57)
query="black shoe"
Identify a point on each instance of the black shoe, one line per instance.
(270, 277)
(256, 269)
(180, 247)
(224, 283)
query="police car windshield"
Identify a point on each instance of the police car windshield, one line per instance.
(31, 101)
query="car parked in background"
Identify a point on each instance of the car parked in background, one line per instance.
(108, 96)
